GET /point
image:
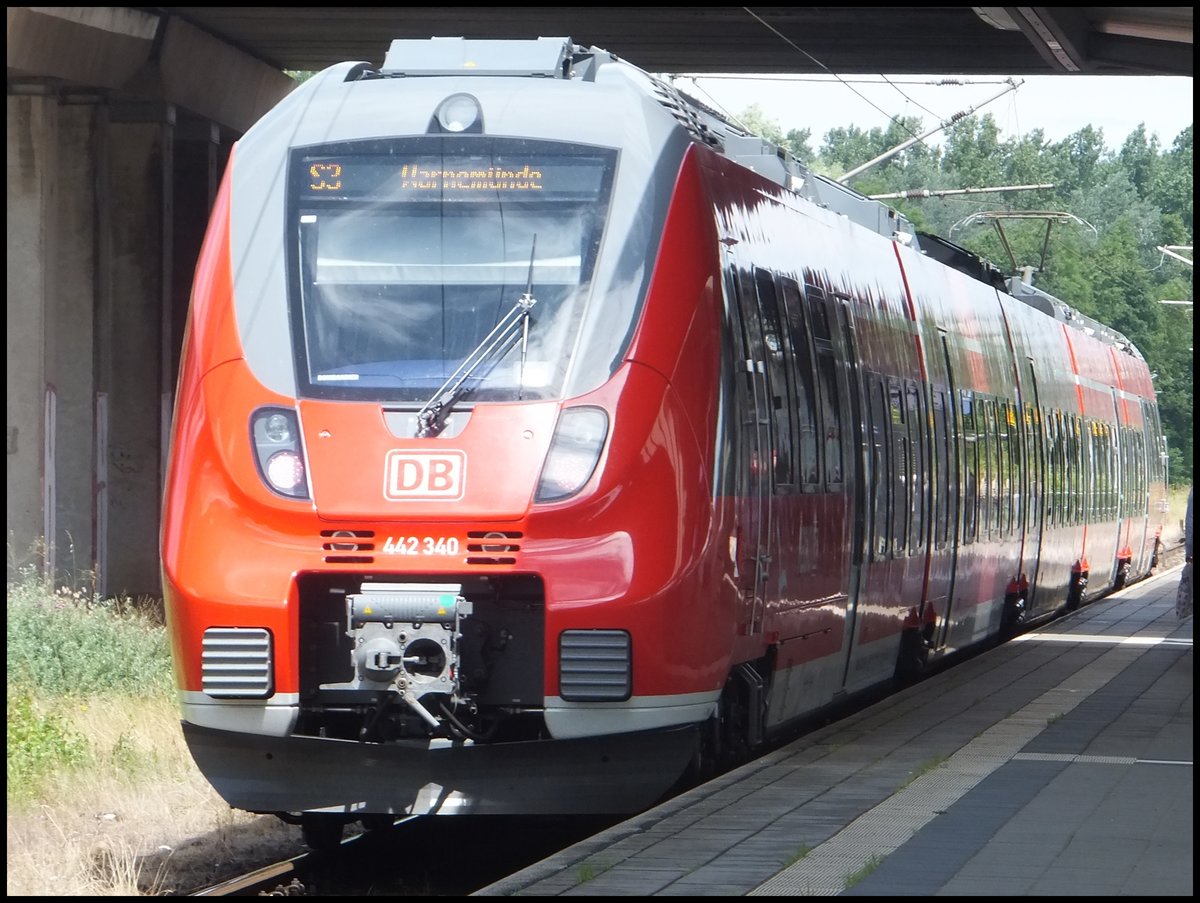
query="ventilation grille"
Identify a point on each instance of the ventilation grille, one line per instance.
(236, 663)
(493, 547)
(348, 546)
(595, 665)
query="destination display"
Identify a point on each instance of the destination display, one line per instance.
(440, 177)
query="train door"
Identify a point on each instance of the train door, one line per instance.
(1032, 477)
(840, 384)
(755, 427)
(1149, 497)
(943, 479)
(777, 576)
(1111, 489)
(856, 472)
(948, 438)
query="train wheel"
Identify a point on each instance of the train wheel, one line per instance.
(914, 653)
(320, 831)
(705, 762)
(378, 821)
(1015, 617)
(733, 748)
(1079, 582)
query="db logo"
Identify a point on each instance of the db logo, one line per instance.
(432, 476)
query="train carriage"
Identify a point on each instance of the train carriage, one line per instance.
(543, 438)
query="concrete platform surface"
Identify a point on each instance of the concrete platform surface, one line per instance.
(1059, 763)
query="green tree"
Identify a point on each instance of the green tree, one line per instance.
(973, 152)
(1140, 159)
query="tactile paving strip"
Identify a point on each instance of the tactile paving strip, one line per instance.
(876, 833)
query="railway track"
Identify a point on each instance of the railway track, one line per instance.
(282, 879)
(418, 856)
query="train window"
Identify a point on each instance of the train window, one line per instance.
(1143, 471)
(901, 483)
(1105, 468)
(799, 340)
(1087, 453)
(941, 463)
(1074, 468)
(1136, 495)
(1077, 469)
(985, 426)
(1033, 453)
(820, 317)
(1049, 479)
(970, 465)
(755, 423)
(995, 475)
(1063, 468)
(1056, 498)
(1005, 427)
(1018, 476)
(410, 253)
(1086, 469)
(881, 480)
(1121, 474)
(827, 387)
(1114, 471)
(1093, 434)
(1129, 493)
(781, 391)
(917, 478)
(831, 419)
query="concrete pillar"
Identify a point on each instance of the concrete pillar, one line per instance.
(69, 340)
(104, 226)
(135, 212)
(51, 288)
(32, 134)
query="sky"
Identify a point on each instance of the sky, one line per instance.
(1058, 104)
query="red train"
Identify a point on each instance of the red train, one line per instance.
(541, 436)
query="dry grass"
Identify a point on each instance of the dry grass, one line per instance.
(1176, 509)
(141, 820)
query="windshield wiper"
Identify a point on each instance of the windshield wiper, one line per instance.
(513, 326)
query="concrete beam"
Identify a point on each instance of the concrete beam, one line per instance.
(142, 55)
(101, 46)
(215, 80)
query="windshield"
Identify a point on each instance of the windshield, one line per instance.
(409, 253)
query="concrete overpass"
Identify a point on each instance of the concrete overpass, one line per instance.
(120, 120)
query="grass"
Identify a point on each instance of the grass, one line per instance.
(589, 869)
(800, 853)
(103, 796)
(68, 651)
(859, 874)
(923, 770)
(62, 641)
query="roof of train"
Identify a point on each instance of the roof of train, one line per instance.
(561, 58)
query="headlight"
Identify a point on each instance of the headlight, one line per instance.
(574, 453)
(279, 454)
(458, 113)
